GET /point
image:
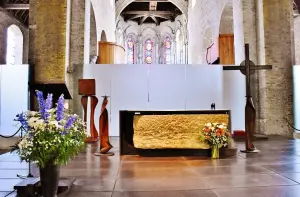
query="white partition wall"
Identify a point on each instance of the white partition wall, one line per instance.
(204, 86)
(102, 75)
(296, 77)
(167, 87)
(234, 92)
(129, 91)
(13, 96)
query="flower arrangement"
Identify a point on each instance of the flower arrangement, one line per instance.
(216, 135)
(53, 136)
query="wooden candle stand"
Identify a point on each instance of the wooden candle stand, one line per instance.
(86, 88)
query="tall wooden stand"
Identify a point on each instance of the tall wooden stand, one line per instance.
(87, 89)
(105, 145)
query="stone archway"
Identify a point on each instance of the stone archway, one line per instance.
(14, 48)
(122, 4)
(103, 36)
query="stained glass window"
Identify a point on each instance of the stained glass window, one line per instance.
(130, 50)
(167, 45)
(148, 51)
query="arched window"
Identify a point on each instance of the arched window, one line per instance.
(167, 46)
(14, 49)
(148, 51)
(130, 50)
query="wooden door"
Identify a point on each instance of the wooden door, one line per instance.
(226, 49)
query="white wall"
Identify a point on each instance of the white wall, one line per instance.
(167, 87)
(296, 76)
(13, 96)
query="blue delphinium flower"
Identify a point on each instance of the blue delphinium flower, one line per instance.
(48, 104)
(70, 121)
(60, 108)
(40, 98)
(22, 119)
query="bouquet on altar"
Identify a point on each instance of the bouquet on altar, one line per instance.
(215, 134)
(53, 136)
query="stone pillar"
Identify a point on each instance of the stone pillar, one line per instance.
(31, 50)
(279, 53)
(250, 37)
(50, 41)
(76, 53)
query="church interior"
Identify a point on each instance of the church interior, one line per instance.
(152, 80)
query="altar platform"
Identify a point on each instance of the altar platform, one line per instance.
(169, 133)
(273, 172)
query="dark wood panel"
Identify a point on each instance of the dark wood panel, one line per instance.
(226, 49)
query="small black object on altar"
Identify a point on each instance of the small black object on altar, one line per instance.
(213, 106)
(53, 88)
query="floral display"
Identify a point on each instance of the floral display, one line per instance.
(53, 136)
(216, 135)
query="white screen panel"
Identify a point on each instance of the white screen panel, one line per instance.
(167, 87)
(296, 77)
(234, 97)
(14, 96)
(102, 75)
(129, 91)
(204, 86)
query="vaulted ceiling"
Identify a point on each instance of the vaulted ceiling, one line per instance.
(154, 11)
(18, 8)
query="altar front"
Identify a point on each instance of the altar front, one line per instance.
(164, 132)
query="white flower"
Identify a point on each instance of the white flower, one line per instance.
(208, 124)
(54, 122)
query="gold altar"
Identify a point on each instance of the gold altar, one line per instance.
(180, 131)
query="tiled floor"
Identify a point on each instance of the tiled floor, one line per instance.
(275, 172)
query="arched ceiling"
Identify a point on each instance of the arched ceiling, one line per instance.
(18, 8)
(145, 11)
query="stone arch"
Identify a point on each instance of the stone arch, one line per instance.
(226, 48)
(93, 34)
(207, 46)
(103, 36)
(226, 22)
(14, 45)
(122, 4)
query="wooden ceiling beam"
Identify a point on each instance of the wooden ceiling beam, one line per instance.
(16, 6)
(149, 12)
(160, 1)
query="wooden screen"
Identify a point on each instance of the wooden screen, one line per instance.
(226, 49)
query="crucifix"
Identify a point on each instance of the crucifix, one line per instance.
(247, 68)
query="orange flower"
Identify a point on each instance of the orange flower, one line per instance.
(207, 129)
(207, 137)
(228, 134)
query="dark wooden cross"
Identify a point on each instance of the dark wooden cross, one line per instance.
(247, 68)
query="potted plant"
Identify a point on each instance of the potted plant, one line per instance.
(216, 135)
(53, 137)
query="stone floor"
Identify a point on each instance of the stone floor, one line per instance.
(274, 172)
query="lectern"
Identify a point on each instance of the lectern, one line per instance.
(86, 88)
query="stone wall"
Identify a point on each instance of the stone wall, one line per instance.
(7, 20)
(297, 39)
(279, 46)
(50, 42)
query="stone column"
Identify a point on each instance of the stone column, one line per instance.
(250, 37)
(50, 42)
(76, 53)
(31, 50)
(278, 52)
